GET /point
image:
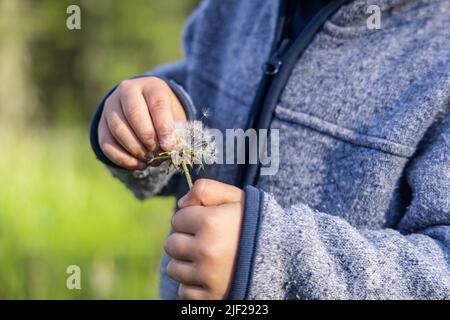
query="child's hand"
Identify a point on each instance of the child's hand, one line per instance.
(205, 243)
(137, 119)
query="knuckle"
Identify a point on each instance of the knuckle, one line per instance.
(156, 83)
(157, 102)
(209, 278)
(199, 187)
(125, 86)
(148, 137)
(131, 109)
(207, 222)
(107, 104)
(117, 129)
(106, 147)
(207, 253)
(164, 130)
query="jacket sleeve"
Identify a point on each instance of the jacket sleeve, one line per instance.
(153, 181)
(300, 253)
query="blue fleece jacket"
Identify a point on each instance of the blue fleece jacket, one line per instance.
(360, 207)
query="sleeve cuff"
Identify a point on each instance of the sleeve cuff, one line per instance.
(249, 234)
(185, 100)
(182, 95)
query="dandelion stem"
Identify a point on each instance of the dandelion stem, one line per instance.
(187, 174)
(167, 153)
(159, 158)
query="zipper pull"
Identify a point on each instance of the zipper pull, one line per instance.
(272, 66)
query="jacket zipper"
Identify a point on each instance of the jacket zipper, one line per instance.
(273, 65)
(277, 70)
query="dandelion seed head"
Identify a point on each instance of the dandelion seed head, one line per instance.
(193, 144)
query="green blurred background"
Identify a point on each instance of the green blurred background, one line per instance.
(58, 205)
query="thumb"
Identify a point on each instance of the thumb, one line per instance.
(206, 192)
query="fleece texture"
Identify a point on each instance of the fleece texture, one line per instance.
(360, 207)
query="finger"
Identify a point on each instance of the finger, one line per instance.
(136, 112)
(180, 246)
(114, 151)
(183, 272)
(206, 192)
(188, 220)
(160, 105)
(189, 292)
(119, 128)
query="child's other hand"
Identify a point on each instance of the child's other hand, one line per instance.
(137, 119)
(206, 239)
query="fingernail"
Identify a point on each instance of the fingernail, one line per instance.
(142, 165)
(182, 200)
(166, 143)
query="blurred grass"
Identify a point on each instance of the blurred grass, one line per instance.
(60, 207)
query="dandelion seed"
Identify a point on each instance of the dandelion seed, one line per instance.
(205, 113)
(193, 145)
